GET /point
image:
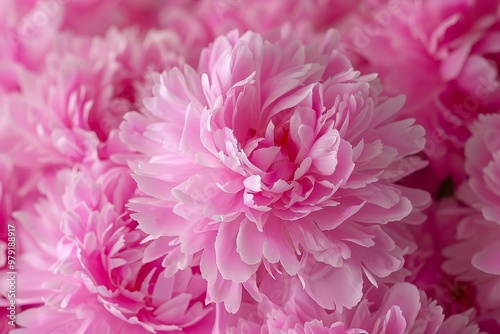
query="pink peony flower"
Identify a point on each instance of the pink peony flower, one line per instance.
(482, 153)
(474, 257)
(447, 65)
(62, 114)
(398, 309)
(278, 156)
(97, 281)
(401, 308)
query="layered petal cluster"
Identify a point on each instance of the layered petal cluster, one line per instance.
(61, 114)
(274, 155)
(91, 275)
(447, 64)
(471, 261)
(285, 308)
(482, 152)
(231, 166)
(474, 257)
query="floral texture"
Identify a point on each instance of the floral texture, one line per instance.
(482, 153)
(250, 166)
(448, 51)
(94, 279)
(273, 154)
(474, 257)
(286, 309)
(61, 115)
(471, 259)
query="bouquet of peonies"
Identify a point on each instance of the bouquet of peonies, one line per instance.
(250, 166)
